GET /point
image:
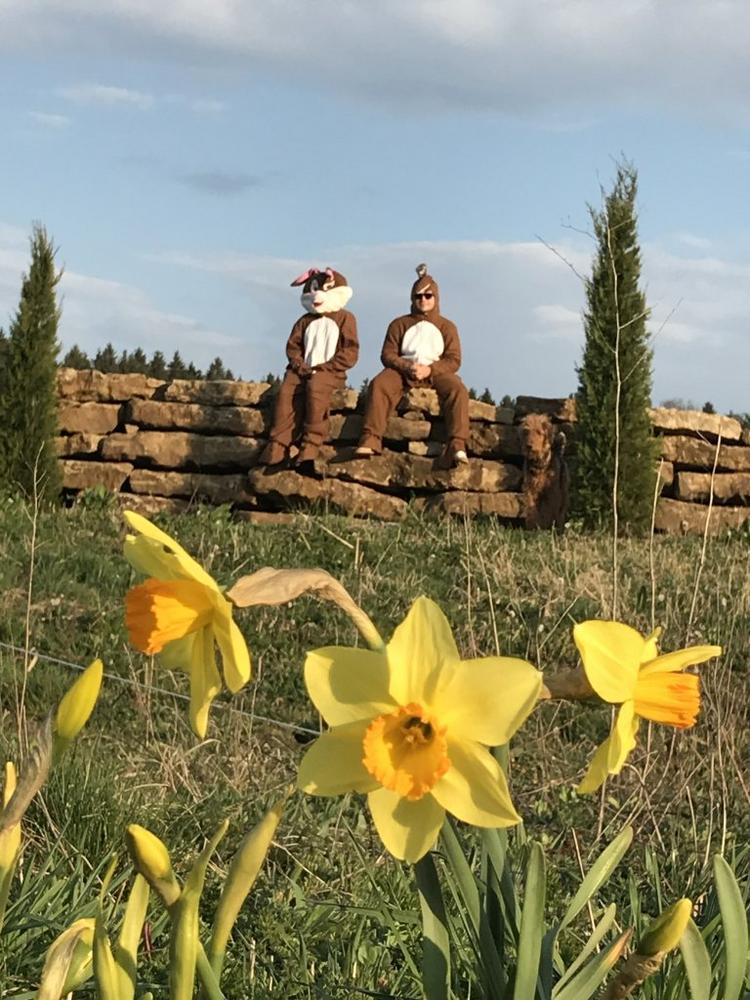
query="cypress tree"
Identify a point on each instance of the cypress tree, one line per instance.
(28, 401)
(614, 377)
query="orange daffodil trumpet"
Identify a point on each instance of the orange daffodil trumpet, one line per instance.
(624, 668)
(180, 612)
(411, 726)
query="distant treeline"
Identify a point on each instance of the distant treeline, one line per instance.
(137, 362)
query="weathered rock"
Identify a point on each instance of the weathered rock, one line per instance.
(216, 393)
(162, 415)
(666, 474)
(94, 386)
(482, 411)
(430, 449)
(82, 443)
(558, 409)
(84, 475)
(345, 427)
(745, 436)
(487, 440)
(692, 452)
(679, 518)
(393, 469)
(696, 422)
(344, 399)
(348, 427)
(333, 494)
(505, 505)
(180, 449)
(727, 486)
(148, 505)
(213, 487)
(426, 401)
(263, 517)
(90, 418)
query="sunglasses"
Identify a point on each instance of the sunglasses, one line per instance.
(424, 295)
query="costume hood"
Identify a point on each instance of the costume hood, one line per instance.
(425, 283)
(324, 290)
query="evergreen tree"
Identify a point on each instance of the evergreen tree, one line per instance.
(614, 377)
(76, 358)
(216, 370)
(105, 360)
(157, 366)
(472, 393)
(28, 401)
(507, 401)
(138, 362)
(274, 380)
(177, 367)
(709, 408)
(487, 397)
(229, 374)
(193, 371)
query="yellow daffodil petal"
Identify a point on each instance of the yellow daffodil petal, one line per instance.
(611, 653)
(420, 646)
(175, 559)
(333, 764)
(612, 754)
(671, 698)
(622, 737)
(487, 700)
(235, 656)
(205, 682)
(178, 654)
(407, 828)
(597, 771)
(474, 788)
(78, 702)
(679, 659)
(149, 558)
(346, 684)
(10, 839)
(11, 780)
(651, 645)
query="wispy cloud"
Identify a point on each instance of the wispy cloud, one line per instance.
(220, 182)
(50, 120)
(99, 93)
(207, 106)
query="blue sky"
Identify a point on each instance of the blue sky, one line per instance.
(190, 161)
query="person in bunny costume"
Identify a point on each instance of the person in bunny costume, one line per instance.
(322, 347)
(421, 348)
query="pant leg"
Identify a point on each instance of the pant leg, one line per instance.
(290, 403)
(385, 390)
(319, 388)
(454, 405)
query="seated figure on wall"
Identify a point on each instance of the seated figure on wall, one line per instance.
(321, 349)
(423, 349)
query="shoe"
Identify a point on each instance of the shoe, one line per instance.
(461, 458)
(364, 452)
(307, 468)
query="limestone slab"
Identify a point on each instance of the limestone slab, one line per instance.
(90, 418)
(98, 387)
(181, 449)
(79, 474)
(726, 487)
(332, 494)
(220, 392)
(164, 415)
(405, 471)
(696, 422)
(676, 517)
(558, 409)
(697, 454)
(149, 505)
(504, 505)
(81, 443)
(214, 487)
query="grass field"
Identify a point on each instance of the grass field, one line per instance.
(333, 914)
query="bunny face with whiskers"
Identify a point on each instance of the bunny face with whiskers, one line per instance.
(323, 290)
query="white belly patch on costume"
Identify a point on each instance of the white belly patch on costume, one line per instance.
(422, 343)
(321, 341)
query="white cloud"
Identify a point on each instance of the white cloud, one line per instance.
(99, 93)
(516, 57)
(50, 120)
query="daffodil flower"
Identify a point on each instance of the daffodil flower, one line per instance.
(180, 612)
(411, 727)
(624, 668)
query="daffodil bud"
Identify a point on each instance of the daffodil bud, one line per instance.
(664, 933)
(69, 961)
(78, 703)
(151, 859)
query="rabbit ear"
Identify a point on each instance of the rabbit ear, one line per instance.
(421, 270)
(302, 278)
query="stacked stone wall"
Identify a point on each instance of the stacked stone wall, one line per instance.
(169, 444)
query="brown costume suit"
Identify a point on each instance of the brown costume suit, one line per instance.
(426, 338)
(322, 347)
